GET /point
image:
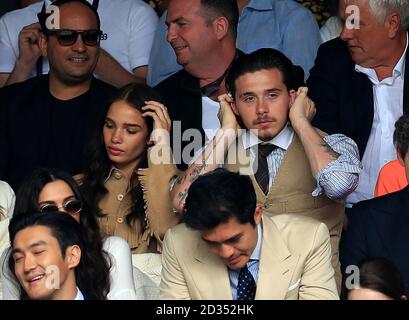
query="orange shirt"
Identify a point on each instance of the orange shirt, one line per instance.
(392, 177)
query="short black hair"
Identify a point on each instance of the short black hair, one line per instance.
(223, 8)
(216, 197)
(381, 275)
(43, 15)
(401, 135)
(265, 59)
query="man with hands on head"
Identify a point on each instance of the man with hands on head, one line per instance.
(294, 167)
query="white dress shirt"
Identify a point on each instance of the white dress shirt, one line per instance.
(388, 107)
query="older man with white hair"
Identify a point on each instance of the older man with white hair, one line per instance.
(359, 82)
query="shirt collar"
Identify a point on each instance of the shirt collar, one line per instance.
(398, 70)
(79, 295)
(111, 172)
(281, 140)
(257, 250)
(260, 5)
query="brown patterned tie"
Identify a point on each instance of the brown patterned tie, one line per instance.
(262, 174)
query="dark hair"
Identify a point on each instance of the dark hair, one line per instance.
(99, 164)
(43, 15)
(216, 197)
(265, 59)
(223, 8)
(27, 203)
(68, 232)
(401, 135)
(380, 274)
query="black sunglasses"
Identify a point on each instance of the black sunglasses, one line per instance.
(67, 37)
(71, 206)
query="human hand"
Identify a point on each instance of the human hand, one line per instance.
(226, 115)
(303, 108)
(161, 122)
(28, 42)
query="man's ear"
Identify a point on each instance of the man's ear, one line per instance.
(73, 256)
(234, 108)
(258, 213)
(221, 27)
(293, 96)
(393, 24)
(43, 44)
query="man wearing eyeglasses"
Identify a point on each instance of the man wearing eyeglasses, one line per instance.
(47, 121)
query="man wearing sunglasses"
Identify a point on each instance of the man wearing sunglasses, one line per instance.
(128, 25)
(47, 121)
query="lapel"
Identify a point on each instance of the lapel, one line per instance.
(277, 265)
(363, 107)
(212, 272)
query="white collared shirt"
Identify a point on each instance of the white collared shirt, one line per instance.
(79, 295)
(388, 107)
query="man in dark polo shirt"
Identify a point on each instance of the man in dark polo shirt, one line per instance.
(47, 121)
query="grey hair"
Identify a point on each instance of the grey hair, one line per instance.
(381, 8)
(2, 212)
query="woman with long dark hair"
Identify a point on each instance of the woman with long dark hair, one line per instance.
(120, 179)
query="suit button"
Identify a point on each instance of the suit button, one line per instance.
(117, 175)
(120, 220)
(120, 197)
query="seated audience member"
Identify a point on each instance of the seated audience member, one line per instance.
(379, 227)
(50, 247)
(127, 40)
(280, 24)
(123, 171)
(294, 167)
(47, 121)
(227, 249)
(379, 279)
(48, 190)
(359, 83)
(7, 200)
(392, 176)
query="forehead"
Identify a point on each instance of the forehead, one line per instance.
(362, 5)
(58, 187)
(260, 80)
(34, 234)
(226, 231)
(77, 16)
(123, 110)
(183, 8)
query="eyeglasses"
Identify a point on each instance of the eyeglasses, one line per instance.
(67, 37)
(71, 206)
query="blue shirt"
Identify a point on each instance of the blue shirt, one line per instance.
(284, 25)
(252, 264)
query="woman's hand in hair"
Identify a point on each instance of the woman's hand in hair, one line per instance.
(161, 122)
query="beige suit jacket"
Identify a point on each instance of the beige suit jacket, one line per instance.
(295, 263)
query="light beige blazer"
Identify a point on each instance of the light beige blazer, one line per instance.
(295, 263)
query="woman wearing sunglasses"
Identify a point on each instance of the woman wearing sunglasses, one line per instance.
(49, 190)
(122, 172)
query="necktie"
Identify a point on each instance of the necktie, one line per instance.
(246, 287)
(262, 174)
